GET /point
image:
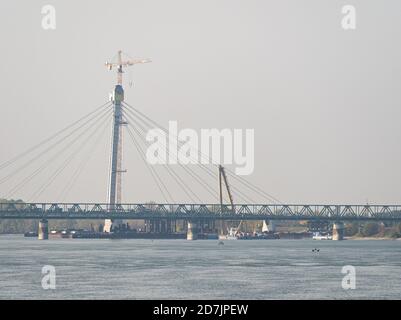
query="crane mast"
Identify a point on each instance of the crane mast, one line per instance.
(223, 178)
(222, 174)
(115, 190)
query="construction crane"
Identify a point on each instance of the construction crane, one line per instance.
(121, 63)
(222, 174)
(117, 97)
(223, 177)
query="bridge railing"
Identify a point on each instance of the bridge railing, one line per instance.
(188, 211)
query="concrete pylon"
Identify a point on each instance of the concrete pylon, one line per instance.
(110, 225)
(269, 226)
(192, 233)
(338, 231)
(43, 231)
(107, 225)
(272, 226)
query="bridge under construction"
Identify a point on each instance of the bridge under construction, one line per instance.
(128, 119)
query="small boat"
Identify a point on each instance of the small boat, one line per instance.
(30, 234)
(208, 236)
(319, 236)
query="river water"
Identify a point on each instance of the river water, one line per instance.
(203, 269)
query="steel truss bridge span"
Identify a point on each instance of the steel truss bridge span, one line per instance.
(200, 211)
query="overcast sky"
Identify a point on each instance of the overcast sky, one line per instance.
(325, 103)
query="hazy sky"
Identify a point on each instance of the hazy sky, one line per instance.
(325, 103)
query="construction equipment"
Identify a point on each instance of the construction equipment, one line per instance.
(222, 174)
(223, 177)
(116, 171)
(121, 63)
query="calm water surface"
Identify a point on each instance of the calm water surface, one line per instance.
(180, 269)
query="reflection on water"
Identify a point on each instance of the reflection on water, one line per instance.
(180, 269)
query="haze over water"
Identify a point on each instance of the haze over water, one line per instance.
(180, 269)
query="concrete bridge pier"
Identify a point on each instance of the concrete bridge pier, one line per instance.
(43, 231)
(192, 232)
(338, 230)
(272, 226)
(111, 225)
(269, 226)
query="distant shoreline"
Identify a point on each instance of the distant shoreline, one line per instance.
(345, 238)
(370, 238)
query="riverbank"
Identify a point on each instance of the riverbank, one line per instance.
(371, 238)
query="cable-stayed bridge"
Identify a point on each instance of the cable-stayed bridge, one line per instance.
(55, 155)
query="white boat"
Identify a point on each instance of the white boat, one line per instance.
(232, 235)
(319, 236)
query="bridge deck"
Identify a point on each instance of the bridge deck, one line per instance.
(199, 211)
